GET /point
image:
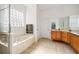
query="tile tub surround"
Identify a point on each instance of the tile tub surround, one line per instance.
(46, 46)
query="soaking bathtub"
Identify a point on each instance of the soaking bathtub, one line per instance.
(22, 43)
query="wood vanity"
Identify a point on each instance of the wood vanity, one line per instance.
(67, 37)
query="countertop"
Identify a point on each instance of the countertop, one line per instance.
(76, 33)
(67, 30)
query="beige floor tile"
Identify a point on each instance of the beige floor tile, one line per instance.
(46, 46)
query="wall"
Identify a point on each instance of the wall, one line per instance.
(31, 16)
(53, 13)
(39, 21)
(44, 28)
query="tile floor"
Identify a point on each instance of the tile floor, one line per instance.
(46, 46)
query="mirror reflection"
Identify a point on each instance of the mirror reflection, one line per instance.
(70, 22)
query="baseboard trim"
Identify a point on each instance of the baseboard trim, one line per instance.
(44, 38)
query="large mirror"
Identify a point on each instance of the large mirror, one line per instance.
(66, 22)
(69, 22)
(74, 22)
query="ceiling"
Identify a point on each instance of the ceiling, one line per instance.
(56, 6)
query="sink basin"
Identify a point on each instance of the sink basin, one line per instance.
(75, 32)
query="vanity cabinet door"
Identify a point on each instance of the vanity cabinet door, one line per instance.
(68, 37)
(59, 35)
(74, 42)
(56, 35)
(77, 43)
(64, 37)
(53, 35)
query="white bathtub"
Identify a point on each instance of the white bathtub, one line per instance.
(23, 43)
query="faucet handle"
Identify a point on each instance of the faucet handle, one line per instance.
(70, 30)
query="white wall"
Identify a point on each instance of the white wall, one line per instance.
(39, 22)
(44, 28)
(49, 13)
(59, 9)
(31, 16)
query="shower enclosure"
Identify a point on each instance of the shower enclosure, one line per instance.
(12, 25)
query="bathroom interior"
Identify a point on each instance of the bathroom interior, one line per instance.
(22, 25)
